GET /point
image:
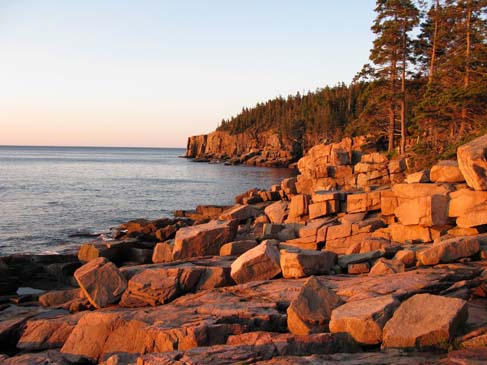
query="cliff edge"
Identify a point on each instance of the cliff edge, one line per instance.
(255, 149)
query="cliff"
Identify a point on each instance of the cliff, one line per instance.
(256, 149)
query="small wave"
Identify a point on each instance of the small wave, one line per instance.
(50, 252)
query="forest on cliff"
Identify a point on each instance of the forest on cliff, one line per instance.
(425, 85)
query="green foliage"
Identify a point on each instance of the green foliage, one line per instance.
(306, 119)
(427, 81)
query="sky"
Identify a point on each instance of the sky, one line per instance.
(151, 73)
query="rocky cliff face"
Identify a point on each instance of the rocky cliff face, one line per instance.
(262, 149)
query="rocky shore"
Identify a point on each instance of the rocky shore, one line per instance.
(264, 149)
(357, 260)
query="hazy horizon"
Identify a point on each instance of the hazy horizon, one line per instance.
(153, 73)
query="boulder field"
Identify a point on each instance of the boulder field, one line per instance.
(357, 260)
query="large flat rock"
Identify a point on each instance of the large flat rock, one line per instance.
(201, 319)
(252, 347)
(209, 317)
(450, 250)
(161, 283)
(425, 320)
(364, 319)
(203, 239)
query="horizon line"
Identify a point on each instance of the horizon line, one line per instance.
(77, 146)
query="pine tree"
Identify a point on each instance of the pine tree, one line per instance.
(391, 56)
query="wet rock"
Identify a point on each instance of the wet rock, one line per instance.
(472, 161)
(101, 282)
(41, 271)
(385, 267)
(237, 247)
(300, 263)
(450, 250)
(259, 263)
(446, 171)
(310, 312)
(364, 319)
(203, 239)
(423, 321)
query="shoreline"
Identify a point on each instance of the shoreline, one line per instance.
(282, 274)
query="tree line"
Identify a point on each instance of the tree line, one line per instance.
(426, 80)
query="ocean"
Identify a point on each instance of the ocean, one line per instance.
(54, 198)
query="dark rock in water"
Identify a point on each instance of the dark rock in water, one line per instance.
(84, 235)
(7, 283)
(40, 271)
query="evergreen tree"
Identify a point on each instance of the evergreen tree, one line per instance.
(391, 55)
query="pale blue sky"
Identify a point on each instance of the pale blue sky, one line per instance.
(151, 73)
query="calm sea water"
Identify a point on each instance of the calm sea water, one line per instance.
(48, 195)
